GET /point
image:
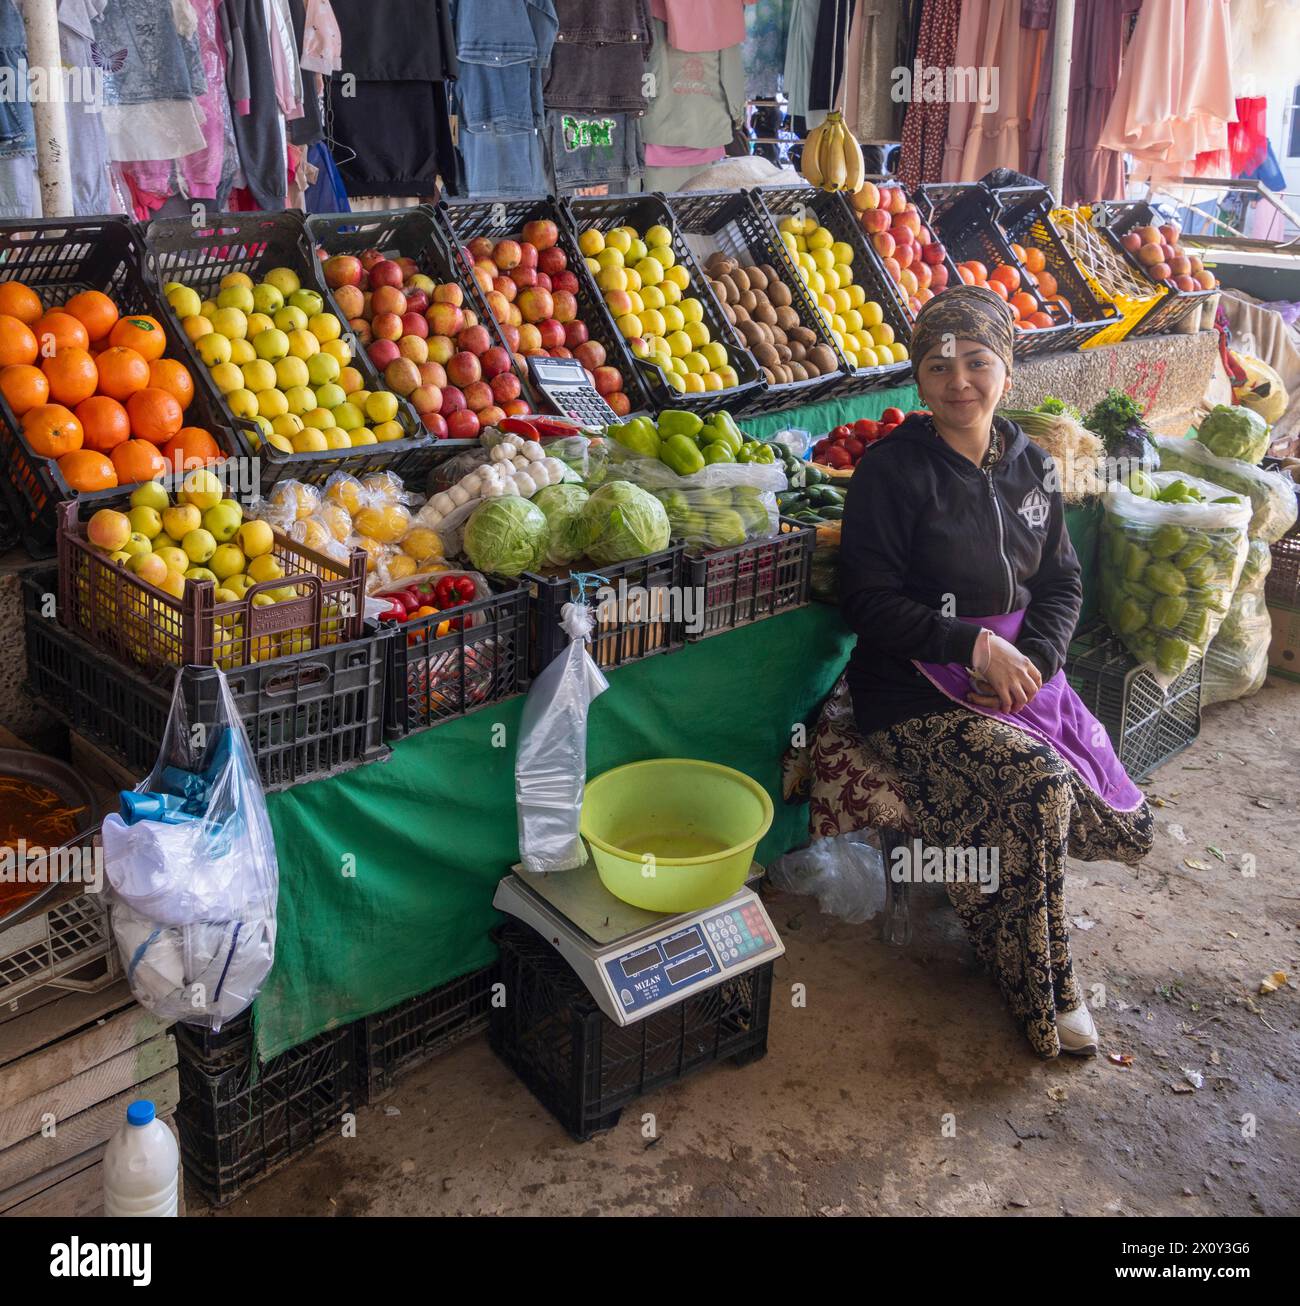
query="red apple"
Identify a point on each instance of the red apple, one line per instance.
(463, 425)
(417, 301)
(385, 273)
(521, 278)
(1180, 266)
(874, 220)
(1159, 271)
(432, 373)
(536, 304)
(510, 334)
(426, 398)
(891, 266)
(565, 306)
(387, 326)
(416, 348)
(607, 380)
(382, 352)
(505, 287)
(1149, 235)
(906, 221)
(904, 254)
(388, 299)
(1131, 241)
(544, 282)
(441, 348)
(401, 376)
(464, 368)
(552, 260)
(491, 415)
(506, 386)
(551, 331)
(506, 254)
(408, 266)
(530, 338)
(475, 339)
(478, 394)
(619, 402)
(517, 408)
(435, 424)
(481, 247)
(924, 236)
(938, 277)
(575, 333)
(414, 325)
(494, 361)
(361, 329)
(868, 197)
(445, 319)
(501, 307)
(484, 274)
(350, 299)
(1187, 282)
(932, 253)
(560, 351)
(448, 294)
(898, 202)
(1170, 233)
(565, 280)
(527, 255)
(591, 354)
(452, 401)
(921, 271)
(884, 243)
(370, 257)
(542, 233)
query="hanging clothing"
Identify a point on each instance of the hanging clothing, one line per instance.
(598, 61)
(256, 118)
(594, 150)
(92, 190)
(986, 136)
(887, 27)
(766, 24)
(834, 19)
(695, 27)
(925, 123)
(800, 41)
(307, 129)
(319, 38)
(849, 88)
(1092, 172)
(700, 97)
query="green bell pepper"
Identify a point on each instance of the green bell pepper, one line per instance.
(680, 453)
(1168, 611)
(1172, 655)
(1135, 561)
(1129, 618)
(710, 434)
(1167, 541)
(754, 451)
(1200, 573)
(725, 528)
(1196, 547)
(637, 434)
(677, 421)
(724, 421)
(718, 452)
(1164, 578)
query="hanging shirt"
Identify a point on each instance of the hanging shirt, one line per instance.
(697, 98)
(699, 25)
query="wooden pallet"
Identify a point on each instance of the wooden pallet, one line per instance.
(70, 1065)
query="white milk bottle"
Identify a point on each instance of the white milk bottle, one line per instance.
(141, 1166)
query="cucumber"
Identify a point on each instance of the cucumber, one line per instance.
(814, 475)
(832, 513)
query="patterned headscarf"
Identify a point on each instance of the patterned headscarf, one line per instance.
(964, 313)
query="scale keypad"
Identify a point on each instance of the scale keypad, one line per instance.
(738, 933)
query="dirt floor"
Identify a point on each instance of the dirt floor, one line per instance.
(903, 1088)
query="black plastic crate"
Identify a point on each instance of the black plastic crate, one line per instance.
(582, 1066)
(1147, 725)
(964, 215)
(732, 223)
(253, 243)
(307, 716)
(644, 212)
(433, 678)
(394, 1041)
(757, 579)
(832, 211)
(58, 258)
(1282, 587)
(414, 233)
(1169, 311)
(239, 1124)
(1025, 217)
(215, 1051)
(505, 218)
(614, 641)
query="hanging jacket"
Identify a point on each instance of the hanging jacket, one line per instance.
(928, 539)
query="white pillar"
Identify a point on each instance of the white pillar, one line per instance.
(53, 155)
(1058, 103)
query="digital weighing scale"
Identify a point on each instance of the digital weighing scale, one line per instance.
(636, 962)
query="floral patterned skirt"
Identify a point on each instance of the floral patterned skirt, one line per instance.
(973, 782)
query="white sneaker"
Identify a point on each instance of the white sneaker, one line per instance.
(1077, 1033)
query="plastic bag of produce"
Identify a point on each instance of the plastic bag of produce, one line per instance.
(191, 864)
(1272, 494)
(1169, 569)
(1236, 663)
(624, 521)
(719, 518)
(506, 536)
(1231, 431)
(569, 530)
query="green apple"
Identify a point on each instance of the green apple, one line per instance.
(271, 345)
(290, 372)
(347, 416)
(322, 368)
(283, 594)
(240, 584)
(222, 522)
(381, 406)
(307, 300)
(150, 494)
(137, 543)
(199, 545)
(200, 573)
(239, 297)
(224, 595)
(320, 419)
(265, 568)
(267, 298)
(301, 400)
(180, 519)
(176, 559)
(255, 538)
(285, 280)
(227, 561)
(330, 395)
(289, 318)
(145, 521)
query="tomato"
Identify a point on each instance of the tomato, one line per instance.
(891, 417)
(865, 429)
(841, 433)
(853, 448)
(839, 457)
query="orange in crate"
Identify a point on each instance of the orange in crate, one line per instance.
(95, 311)
(52, 430)
(66, 331)
(142, 333)
(138, 460)
(85, 470)
(72, 375)
(155, 415)
(167, 374)
(23, 387)
(17, 344)
(20, 301)
(122, 372)
(192, 446)
(103, 421)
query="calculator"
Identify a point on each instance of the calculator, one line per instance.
(564, 381)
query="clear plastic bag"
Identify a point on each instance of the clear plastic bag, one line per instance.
(1168, 572)
(846, 874)
(1272, 494)
(551, 763)
(722, 517)
(191, 864)
(1236, 663)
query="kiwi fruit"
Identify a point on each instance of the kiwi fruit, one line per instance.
(797, 351)
(757, 278)
(786, 317)
(784, 374)
(750, 332)
(719, 265)
(730, 294)
(738, 314)
(799, 371)
(767, 356)
(784, 353)
(804, 335)
(779, 293)
(778, 334)
(741, 277)
(729, 313)
(769, 375)
(749, 301)
(764, 313)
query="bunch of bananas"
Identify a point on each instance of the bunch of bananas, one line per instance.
(832, 158)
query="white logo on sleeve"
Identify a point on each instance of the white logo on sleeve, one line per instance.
(1034, 508)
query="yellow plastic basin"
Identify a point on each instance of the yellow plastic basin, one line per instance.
(674, 834)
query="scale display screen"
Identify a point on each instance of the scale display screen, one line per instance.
(687, 943)
(685, 969)
(643, 961)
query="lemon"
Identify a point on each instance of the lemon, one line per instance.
(872, 313)
(679, 343)
(692, 310)
(697, 333)
(857, 296)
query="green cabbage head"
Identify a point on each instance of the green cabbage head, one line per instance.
(1234, 432)
(624, 522)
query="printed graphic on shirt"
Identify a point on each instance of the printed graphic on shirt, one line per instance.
(1034, 508)
(695, 77)
(587, 133)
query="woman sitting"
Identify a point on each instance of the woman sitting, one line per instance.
(958, 576)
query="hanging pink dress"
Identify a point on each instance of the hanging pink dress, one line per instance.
(981, 138)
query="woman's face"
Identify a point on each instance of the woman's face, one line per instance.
(963, 387)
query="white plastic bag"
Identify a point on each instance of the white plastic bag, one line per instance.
(1236, 663)
(551, 764)
(194, 880)
(846, 874)
(1272, 494)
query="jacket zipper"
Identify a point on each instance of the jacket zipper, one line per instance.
(1006, 566)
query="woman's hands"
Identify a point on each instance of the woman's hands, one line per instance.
(1007, 680)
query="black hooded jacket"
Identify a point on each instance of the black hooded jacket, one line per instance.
(930, 539)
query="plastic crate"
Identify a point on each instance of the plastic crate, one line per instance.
(432, 679)
(49, 948)
(964, 216)
(217, 1050)
(644, 212)
(114, 609)
(239, 1124)
(58, 258)
(307, 716)
(731, 222)
(614, 641)
(1146, 724)
(1172, 309)
(582, 1066)
(754, 580)
(414, 233)
(500, 219)
(254, 243)
(1025, 215)
(1282, 588)
(394, 1041)
(832, 211)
